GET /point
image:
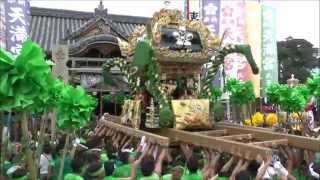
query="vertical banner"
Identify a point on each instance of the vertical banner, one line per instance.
(187, 9)
(233, 26)
(253, 32)
(17, 24)
(269, 73)
(211, 14)
(2, 25)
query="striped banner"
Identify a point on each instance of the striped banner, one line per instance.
(2, 26)
(232, 24)
(211, 14)
(253, 32)
(269, 72)
(17, 24)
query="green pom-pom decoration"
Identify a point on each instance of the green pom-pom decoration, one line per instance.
(75, 108)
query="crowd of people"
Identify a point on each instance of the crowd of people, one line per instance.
(118, 156)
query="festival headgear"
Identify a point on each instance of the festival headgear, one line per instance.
(11, 171)
(129, 150)
(313, 173)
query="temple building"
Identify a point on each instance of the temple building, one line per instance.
(79, 43)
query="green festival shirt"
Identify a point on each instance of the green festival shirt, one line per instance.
(298, 175)
(193, 176)
(56, 166)
(109, 178)
(154, 176)
(123, 171)
(167, 177)
(71, 176)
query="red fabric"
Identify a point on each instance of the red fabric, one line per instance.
(309, 107)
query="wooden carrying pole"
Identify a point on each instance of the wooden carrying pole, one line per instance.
(153, 138)
(247, 151)
(262, 134)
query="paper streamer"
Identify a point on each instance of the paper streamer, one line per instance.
(253, 32)
(269, 73)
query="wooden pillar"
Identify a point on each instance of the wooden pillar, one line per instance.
(60, 56)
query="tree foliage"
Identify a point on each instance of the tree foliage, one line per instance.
(295, 57)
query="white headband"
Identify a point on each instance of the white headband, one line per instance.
(313, 173)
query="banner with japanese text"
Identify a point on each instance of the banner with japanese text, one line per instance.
(17, 24)
(2, 25)
(211, 15)
(254, 33)
(269, 72)
(233, 27)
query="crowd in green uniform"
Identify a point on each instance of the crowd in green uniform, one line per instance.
(120, 157)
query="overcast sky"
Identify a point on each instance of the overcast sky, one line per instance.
(297, 18)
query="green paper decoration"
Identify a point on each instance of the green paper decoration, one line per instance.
(75, 108)
(246, 51)
(273, 93)
(313, 85)
(124, 67)
(290, 99)
(241, 92)
(219, 59)
(293, 99)
(142, 57)
(24, 80)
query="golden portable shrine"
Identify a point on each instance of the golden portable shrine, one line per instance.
(172, 101)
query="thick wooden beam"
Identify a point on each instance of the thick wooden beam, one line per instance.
(238, 137)
(153, 138)
(265, 135)
(272, 143)
(247, 151)
(247, 127)
(212, 132)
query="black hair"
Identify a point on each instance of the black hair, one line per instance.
(91, 157)
(19, 173)
(111, 150)
(124, 157)
(224, 174)
(109, 168)
(93, 167)
(193, 164)
(243, 175)
(94, 142)
(147, 165)
(76, 164)
(47, 149)
(253, 168)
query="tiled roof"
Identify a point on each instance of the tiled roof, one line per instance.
(48, 26)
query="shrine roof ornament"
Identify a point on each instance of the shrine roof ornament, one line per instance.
(100, 10)
(175, 38)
